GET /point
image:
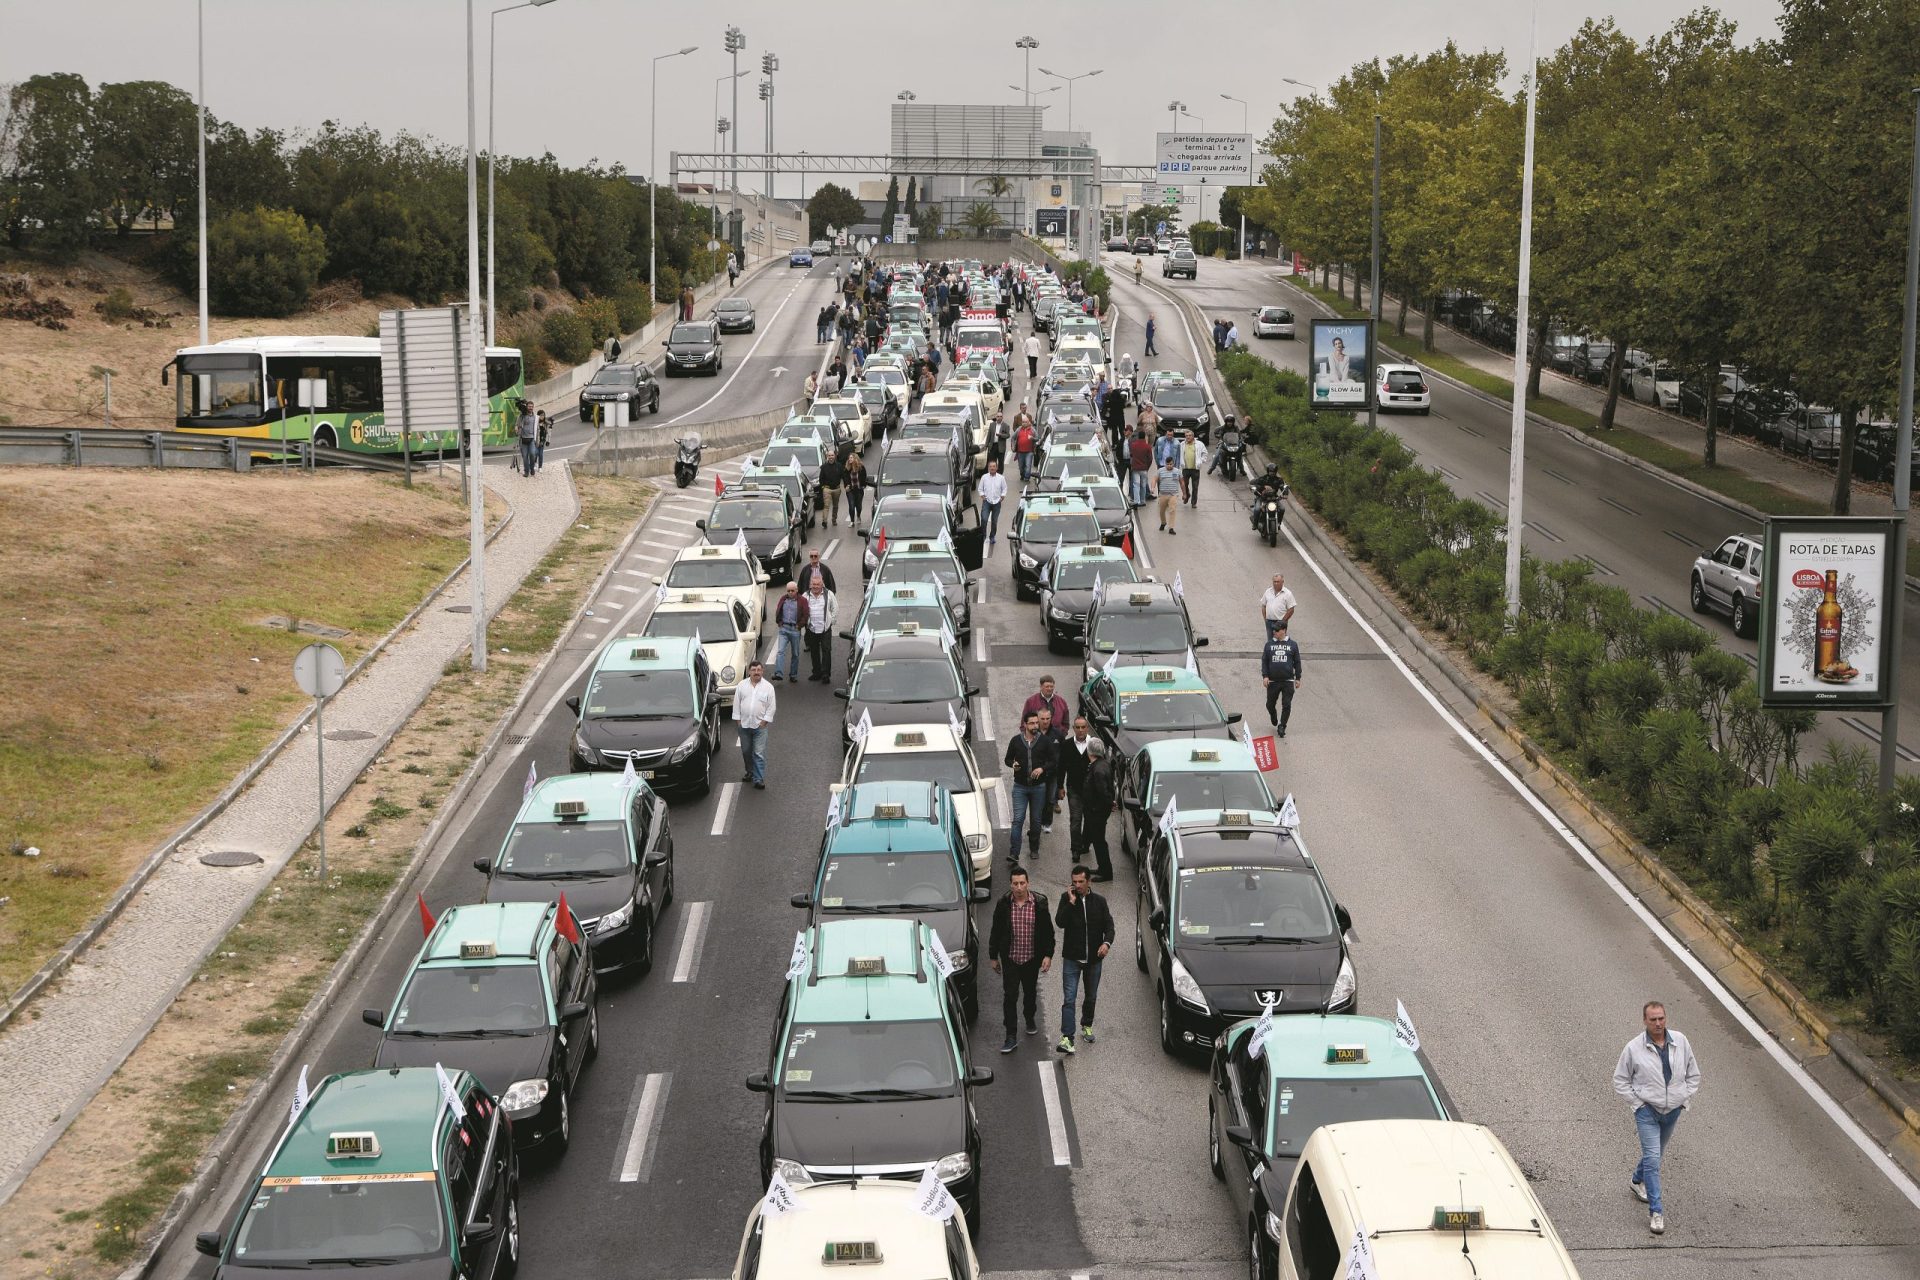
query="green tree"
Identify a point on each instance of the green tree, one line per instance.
(372, 238)
(927, 222)
(998, 186)
(264, 262)
(981, 218)
(913, 198)
(46, 170)
(832, 205)
(892, 208)
(245, 169)
(144, 154)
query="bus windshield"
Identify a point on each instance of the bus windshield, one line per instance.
(222, 388)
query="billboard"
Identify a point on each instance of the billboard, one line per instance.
(1050, 222)
(1224, 158)
(1340, 364)
(1825, 597)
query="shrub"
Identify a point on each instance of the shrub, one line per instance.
(118, 304)
(567, 337)
(667, 288)
(263, 262)
(536, 363)
(632, 306)
(603, 319)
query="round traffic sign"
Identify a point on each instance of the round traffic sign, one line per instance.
(712, 245)
(319, 670)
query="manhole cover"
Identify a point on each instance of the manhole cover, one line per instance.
(230, 858)
(519, 739)
(348, 735)
(459, 608)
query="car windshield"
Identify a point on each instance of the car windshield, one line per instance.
(1075, 573)
(885, 373)
(1276, 313)
(735, 306)
(1191, 709)
(1105, 498)
(915, 468)
(455, 999)
(944, 572)
(911, 522)
(1179, 398)
(1138, 632)
(791, 455)
(614, 375)
(539, 849)
(1222, 790)
(1073, 465)
(941, 768)
(1074, 527)
(1306, 1104)
(638, 695)
(930, 618)
(838, 1058)
(891, 880)
(1216, 903)
(978, 336)
(747, 513)
(287, 1223)
(1400, 381)
(905, 680)
(716, 572)
(690, 333)
(708, 626)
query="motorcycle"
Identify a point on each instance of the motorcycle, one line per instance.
(1269, 513)
(1233, 456)
(686, 459)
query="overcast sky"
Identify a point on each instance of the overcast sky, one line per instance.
(574, 76)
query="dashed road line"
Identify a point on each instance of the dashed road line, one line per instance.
(687, 964)
(1680, 538)
(664, 546)
(724, 809)
(1544, 532)
(1618, 506)
(643, 1117)
(1056, 1113)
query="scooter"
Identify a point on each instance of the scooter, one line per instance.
(686, 459)
(1270, 513)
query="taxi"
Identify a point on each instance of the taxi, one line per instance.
(1133, 626)
(1041, 525)
(978, 383)
(378, 1172)
(1068, 420)
(1066, 463)
(1066, 592)
(846, 408)
(872, 1224)
(1130, 707)
(880, 400)
(768, 519)
(927, 465)
(1233, 915)
(967, 406)
(654, 701)
(802, 453)
(1109, 502)
(895, 850)
(607, 846)
(905, 609)
(1191, 776)
(911, 514)
(726, 631)
(868, 1072)
(1075, 346)
(905, 679)
(800, 488)
(496, 989)
(815, 424)
(930, 753)
(1263, 1103)
(891, 374)
(923, 561)
(1435, 1197)
(719, 572)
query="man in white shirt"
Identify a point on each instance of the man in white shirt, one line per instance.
(821, 611)
(1657, 1075)
(993, 492)
(1033, 355)
(1276, 605)
(753, 707)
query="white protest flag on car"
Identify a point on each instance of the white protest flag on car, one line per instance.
(740, 538)
(945, 540)
(953, 722)
(300, 1096)
(660, 593)
(797, 963)
(1360, 1259)
(449, 1094)
(1193, 662)
(1096, 585)
(932, 1198)
(1246, 734)
(1171, 817)
(780, 1199)
(629, 778)
(833, 811)
(533, 777)
(1403, 1028)
(938, 950)
(1257, 1038)
(864, 641)
(1289, 814)
(1178, 588)
(863, 726)
(1106, 668)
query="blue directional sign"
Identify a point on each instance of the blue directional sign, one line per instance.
(886, 240)
(1161, 230)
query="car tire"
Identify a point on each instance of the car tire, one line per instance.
(1139, 939)
(666, 890)
(1168, 1045)
(645, 962)
(510, 1246)
(655, 406)
(1697, 594)
(1738, 615)
(1214, 1163)
(1256, 1266)
(563, 1136)
(593, 1034)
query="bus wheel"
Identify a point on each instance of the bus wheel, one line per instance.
(324, 438)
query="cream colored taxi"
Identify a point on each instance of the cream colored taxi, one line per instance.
(1418, 1194)
(1082, 347)
(727, 630)
(931, 753)
(870, 1227)
(726, 572)
(991, 398)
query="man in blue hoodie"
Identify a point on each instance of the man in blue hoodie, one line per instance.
(1280, 672)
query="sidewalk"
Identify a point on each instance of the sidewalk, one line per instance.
(80, 1031)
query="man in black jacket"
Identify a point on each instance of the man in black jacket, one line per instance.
(1076, 754)
(1031, 763)
(1096, 802)
(1086, 935)
(1020, 947)
(1281, 673)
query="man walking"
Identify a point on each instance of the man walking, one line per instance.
(733, 270)
(1054, 734)
(833, 480)
(1658, 1075)
(822, 323)
(1280, 672)
(821, 611)
(753, 707)
(1032, 347)
(814, 570)
(1140, 467)
(1030, 763)
(1086, 935)
(1048, 700)
(1150, 332)
(1096, 803)
(1023, 442)
(1276, 604)
(1167, 482)
(790, 622)
(529, 434)
(1076, 757)
(1193, 460)
(993, 492)
(1020, 947)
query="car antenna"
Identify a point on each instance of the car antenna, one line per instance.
(1464, 1251)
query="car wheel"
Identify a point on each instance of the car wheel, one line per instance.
(1139, 940)
(1741, 620)
(510, 1248)
(1168, 1044)
(666, 890)
(977, 1217)
(325, 438)
(1697, 595)
(645, 963)
(1213, 1142)
(564, 1135)
(593, 1034)
(655, 406)
(1256, 1269)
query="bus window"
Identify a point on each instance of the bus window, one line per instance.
(503, 374)
(220, 389)
(357, 382)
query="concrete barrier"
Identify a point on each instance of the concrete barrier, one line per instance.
(649, 450)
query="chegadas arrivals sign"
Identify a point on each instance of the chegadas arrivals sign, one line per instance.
(1827, 594)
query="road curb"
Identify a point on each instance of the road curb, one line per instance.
(189, 1199)
(90, 933)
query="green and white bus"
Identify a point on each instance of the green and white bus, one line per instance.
(324, 389)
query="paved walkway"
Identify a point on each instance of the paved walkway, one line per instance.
(58, 1055)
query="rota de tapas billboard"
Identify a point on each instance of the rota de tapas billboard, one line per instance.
(1826, 590)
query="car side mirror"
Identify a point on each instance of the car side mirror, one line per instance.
(802, 900)
(759, 1083)
(479, 1231)
(1233, 717)
(573, 703)
(1240, 1136)
(1343, 916)
(981, 893)
(840, 694)
(658, 858)
(572, 1010)
(209, 1243)
(1157, 921)
(762, 579)
(1199, 642)
(659, 582)
(374, 1017)
(978, 1076)
(990, 784)
(701, 525)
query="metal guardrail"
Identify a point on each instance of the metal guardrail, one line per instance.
(110, 447)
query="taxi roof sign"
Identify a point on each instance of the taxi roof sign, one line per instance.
(1204, 755)
(909, 628)
(1347, 1055)
(1093, 552)
(891, 812)
(905, 593)
(361, 1145)
(850, 1253)
(866, 966)
(1231, 817)
(914, 493)
(1139, 597)
(1459, 1218)
(1160, 675)
(575, 808)
(479, 949)
(912, 738)
(645, 654)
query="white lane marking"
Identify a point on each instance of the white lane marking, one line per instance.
(1056, 1118)
(742, 366)
(1002, 808)
(983, 720)
(590, 635)
(724, 808)
(553, 700)
(663, 516)
(1798, 1074)
(688, 961)
(831, 547)
(637, 573)
(649, 557)
(982, 593)
(621, 586)
(980, 645)
(654, 542)
(636, 1163)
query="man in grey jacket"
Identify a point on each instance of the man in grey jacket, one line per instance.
(1657, 1074)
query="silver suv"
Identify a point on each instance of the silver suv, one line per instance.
(1180, 262)
(1726, 579)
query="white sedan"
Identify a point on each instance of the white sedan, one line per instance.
(931, 753)
(724, 572)
(728, 633)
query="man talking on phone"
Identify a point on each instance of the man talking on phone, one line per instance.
(1086, 935)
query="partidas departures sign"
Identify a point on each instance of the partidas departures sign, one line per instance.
(1826, 588)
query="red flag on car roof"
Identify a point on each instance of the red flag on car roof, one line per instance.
(1126, 545)
(426, 916)
(718, 488)
(569, 928)
(880, 542)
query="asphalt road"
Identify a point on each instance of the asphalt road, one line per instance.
(1522, 967)
(1639, 531)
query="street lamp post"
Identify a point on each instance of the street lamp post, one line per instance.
(1203, 182)
(1074, 151)
(476, 387)
(1517, 461)
(1243, 204)
(1026, 45)
(769, 63)
(1069, 81)
(720, 126)
(200, 16)
(493, 40)
(736, 41)
(1903, 455)
(1373, 284)
(653, 166)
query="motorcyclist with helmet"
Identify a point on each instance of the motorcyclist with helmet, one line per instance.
(1230, 452)
(1266, 487)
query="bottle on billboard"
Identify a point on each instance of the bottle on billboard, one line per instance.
(1827, 626)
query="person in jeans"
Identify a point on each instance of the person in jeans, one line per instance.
(753, 707)
(1030, 761)
(833, 482)
(993, 492)
(1282, 672)
(1139, 467)
(821, 610)
(1020, 948)
(1193, 460)
(1657, 1075)
(856, 482)
(529, 435)
(1085, 928)
(1167, 482)
(790, 618)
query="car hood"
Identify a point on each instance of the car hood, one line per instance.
(1233, 978)
(885, 713)
(607, 391)
(759, 541)
(1096, 662)
(435, 1268)
(880, 1132)
(586, 899)
(1042, 552)
(636, 735)
(1075, 600)
(1130, 742)
(497, 1061)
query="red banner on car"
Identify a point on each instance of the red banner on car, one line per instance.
(1266, 753)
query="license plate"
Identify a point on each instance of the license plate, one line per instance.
(646, 773)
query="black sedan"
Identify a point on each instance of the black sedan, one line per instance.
(766, 519)
(907, 680)
(1133, 706)
(734, 315)
(1043, 525)
(693, 346)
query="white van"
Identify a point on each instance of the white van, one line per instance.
(1414, 1192)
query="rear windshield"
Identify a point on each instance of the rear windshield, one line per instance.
(1404, 382)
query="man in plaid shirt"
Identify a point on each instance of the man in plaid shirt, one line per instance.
(1021, 949)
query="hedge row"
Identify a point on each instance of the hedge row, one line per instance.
(1662, 723)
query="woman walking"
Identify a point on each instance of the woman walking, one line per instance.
(856, 483)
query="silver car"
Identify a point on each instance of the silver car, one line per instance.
(1180, 262)
(1726, 579)
(1272, 322)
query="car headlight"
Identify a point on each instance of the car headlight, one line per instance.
(1185, 987)
(1028, 562)
(624, 396)
(780, 547)
(615, 918)
(686, 748)
(584, 751)
(961, 960)
(1276, 1229)
(793, 1171)
(953, 1167)
(1343, 984)
(523, 1095)
(977, 844)
(728, 674)
(1059, 614)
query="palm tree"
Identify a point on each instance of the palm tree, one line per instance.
(981, 218)
(996, 186)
